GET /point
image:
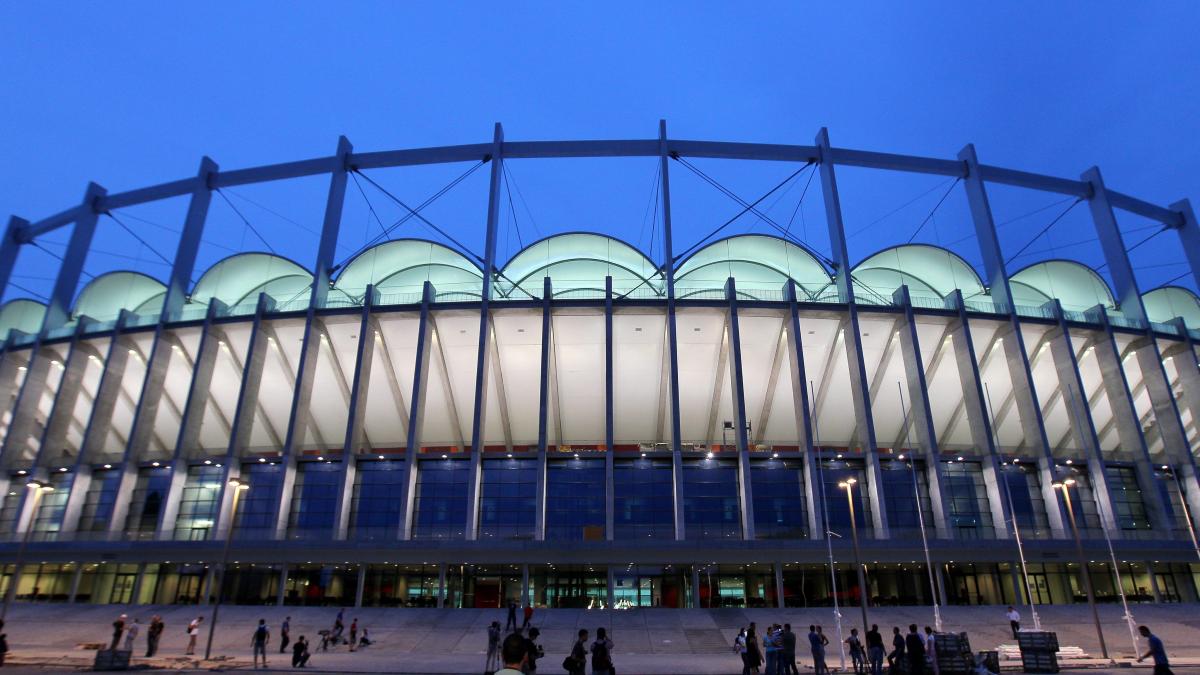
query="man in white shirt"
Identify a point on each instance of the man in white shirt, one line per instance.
(1014, 620)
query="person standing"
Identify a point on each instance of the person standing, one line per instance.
(931, 651)
(493, 650)
(131, 634)
(285, 631)
(354, 634)
(739, 648)
(897, 650)
(259, 642)
(528, 617)
(153, 635)
(875, 650)
(578, 657)
(118, 629)
(914, 647)
(753, 652)
(856, 652)
(602, 654)
(533, 651)
(788, 651)
(193, 631)
(1014, 620)
(770, 652)
(300, 653)
(817, 645)
(511, 624)
(1157, 651)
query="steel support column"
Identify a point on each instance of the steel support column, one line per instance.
(184, 263)
(416, 411)
(800, 405)
(737, 391)
(672, 346)
(859, 386)
(609, 430)
(10, 246)
(58, 309)
(545, 370)
(1189, 236)
(483, 354)
(918, 408)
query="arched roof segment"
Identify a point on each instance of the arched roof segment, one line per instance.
(1077, 286)
(104, 297)
(404, 265)
(23, 315)
(1167, 302)
(759, 263)
(577, 261)
(241, 277)
(929, 272)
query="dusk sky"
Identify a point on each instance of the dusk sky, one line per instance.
(132, 94)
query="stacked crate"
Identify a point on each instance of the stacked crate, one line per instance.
(1039, 651)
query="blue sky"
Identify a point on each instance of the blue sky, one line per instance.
(130, 94)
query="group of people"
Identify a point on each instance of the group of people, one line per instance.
(775, 652)
(130, 631)
(337, 635)
(520, 651)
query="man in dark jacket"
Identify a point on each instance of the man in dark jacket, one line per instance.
(897, 652)
(914, 645)
(787, 655)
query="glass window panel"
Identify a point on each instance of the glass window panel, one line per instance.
(780, 511)
(507, 509)
(644, 502)
(575, 499)
(375, 507)
(441, 503)
(710, 499)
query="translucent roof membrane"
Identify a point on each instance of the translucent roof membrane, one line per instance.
(240, 278)
(760, 264)
(1165, 303)
(402, 266)
(578, 262)
(1076, 286)
(930, 272)
(23, 315)
(105, 296)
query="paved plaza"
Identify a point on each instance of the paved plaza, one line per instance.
(648, 641)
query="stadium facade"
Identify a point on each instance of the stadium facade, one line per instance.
(584, 426)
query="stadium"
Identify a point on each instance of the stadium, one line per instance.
(748, 422)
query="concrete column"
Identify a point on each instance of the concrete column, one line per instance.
(62, 411)
(243, 417)
(1183, 357)
(281, 592)
(25, 417)
(416, 413)
(25, 410)
(940, 575)
(58, 309)
(545, 372)
(812, 487)
(1155, 591)
(737, 387)
(75, 580)
(107, 392)
(362, 584)
(918, 408)
(609, 426)
(525, 585)
(695, 587)
(668, 267)
(484, 352)
(137, 584)
(1014, 569)
(677, 486)
(801, 407)
(441, 596)
(341, 514)
(610, 596)
(779, 602)
(141, 432)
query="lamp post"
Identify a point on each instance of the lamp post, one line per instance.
(1012, 509)
(237, 486)
(848, 486)
(1183, 508)
(937, 613)
(837, 614)
(1064, 487)
(38, 488)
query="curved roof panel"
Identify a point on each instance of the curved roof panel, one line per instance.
(1077, 286)
(577, 261)
(23, 315)
(1167, 302)
(760, 264)
(928, 271)
(241, 277)
(404, 265)
(104, 297)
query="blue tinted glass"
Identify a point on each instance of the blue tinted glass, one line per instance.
(199, 502)
(98, 503)
(1129, 508)
(441, 503)
(507, 509)
(837, 506)
(255, 514)
(643, 496)
(779, 508)
(710, 500)
(575, 499)
(375, 511)
(149, 494)
(314, 499)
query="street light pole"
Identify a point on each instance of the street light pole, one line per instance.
(837, 614)
(848, 486)
(1064, 487)
(937, 613)
(11, 593)
(237, 487)
(1183, 507)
